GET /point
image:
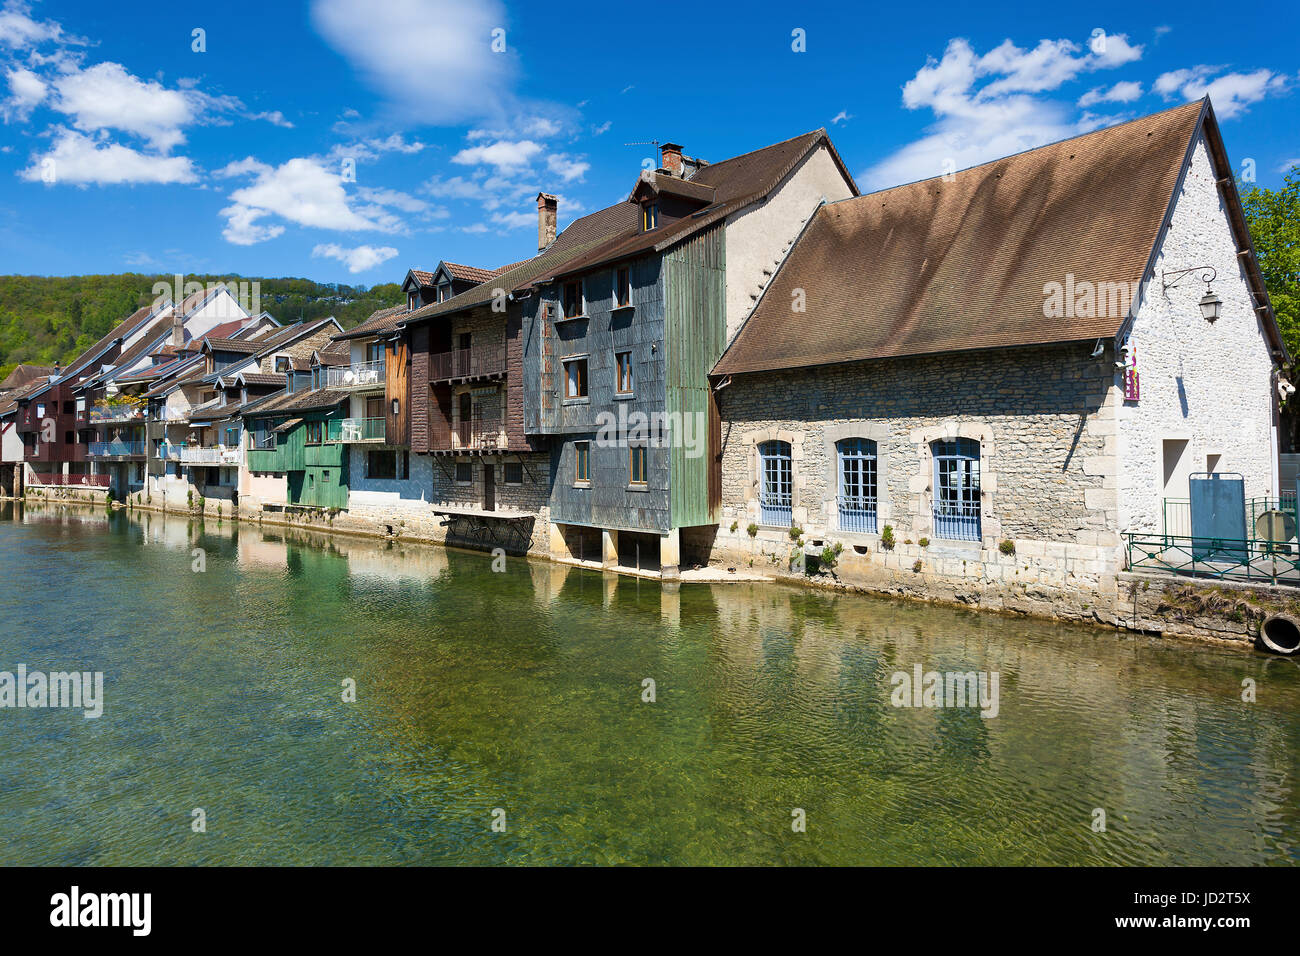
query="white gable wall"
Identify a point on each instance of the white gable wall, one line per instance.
(757, 236)
(1206, 385)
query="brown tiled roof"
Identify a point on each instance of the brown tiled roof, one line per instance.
(10, 400)
(378, 322)
(296, 402)
(735, 183)
(121, 330)
(334, 357)
(468, 273)
(937, 266)
(261, 378)
(22, 374)
(244, 346)
(183, 376)
(424, 278)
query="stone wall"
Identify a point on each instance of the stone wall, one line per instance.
(1044, 418)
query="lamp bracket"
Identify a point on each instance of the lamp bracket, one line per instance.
(1170, 279)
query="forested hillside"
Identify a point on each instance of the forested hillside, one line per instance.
(48, 319)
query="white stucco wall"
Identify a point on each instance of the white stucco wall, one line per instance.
(758, 235)
(1207, 384)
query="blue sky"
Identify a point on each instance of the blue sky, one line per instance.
(124, 148)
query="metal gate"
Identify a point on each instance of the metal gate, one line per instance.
(1218, 505)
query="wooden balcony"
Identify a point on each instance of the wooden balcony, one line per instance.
(463, 365)
(480, 433)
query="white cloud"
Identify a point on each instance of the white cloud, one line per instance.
(1230, 93)
(990, 105)
(274, 117)
(432, 59)
(78, 160)
(106, 96)
(515, 220)
(1123, 92)
(301, 191)
(392, 197)
(568, 168)
(1286, 166)
(27, 91)
(842, 116)
(457, 187)
(358, 259)
(602, 128)
(503, 154)
(18, 31)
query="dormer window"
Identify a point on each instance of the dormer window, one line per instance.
(410, 302)
(282, 363)
(649, 216)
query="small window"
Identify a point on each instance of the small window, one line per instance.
(70, 439)
(572, 299)
(314, 432)
(381, 464)
(623, 287)
(67, 408)
(649, 216)
(623, 363)
(514, 473)
(575, 378)
(282, 363)
(638, 465)
(582, 461)
(464, 472)
(410, 302)
(324, 476)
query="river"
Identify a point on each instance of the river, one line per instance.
(503, 716)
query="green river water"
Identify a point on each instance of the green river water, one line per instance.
(521, 690)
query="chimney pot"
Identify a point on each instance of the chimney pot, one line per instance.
(671, 158)
(547, 210)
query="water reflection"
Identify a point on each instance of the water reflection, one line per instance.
(522, 688)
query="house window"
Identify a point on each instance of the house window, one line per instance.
(381, 464)
(410, 302)
(623, 287)
(856, 503)
(575, 378)
(582, 461)
(623, 361)
(325, 476)
(514, 473)
(375, 352)
(572, 299)
(638, 466)
(232, 437)
(282, 363)
(464, 472)
(315, 430)
(956, 488)
(775, 491)
(649, 216)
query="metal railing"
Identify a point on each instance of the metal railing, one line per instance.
(1239, 559)
(776, 511)
(349, 430)
(208, 455)
(481, 431)
(959, 521)
(360, 375)
(473, 362)
(116, 448)
(856, 514)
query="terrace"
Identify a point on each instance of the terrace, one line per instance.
(361, 376)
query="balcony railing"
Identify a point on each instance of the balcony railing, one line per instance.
(208, 455)
(361, 375)
(476, 362)
(857, 513)
(55, 451)
(114, 412)
(480, 432)
(350, 430)
(116, 449)
(62, 480)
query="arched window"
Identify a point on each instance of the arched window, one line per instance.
(956, 488)
(775, 482)
(856, 501)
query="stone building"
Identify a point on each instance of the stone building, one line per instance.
(974, 384)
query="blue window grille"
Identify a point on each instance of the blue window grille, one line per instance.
(956, 488)
(775, 497)
(856, 501)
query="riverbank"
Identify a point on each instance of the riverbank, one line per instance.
(1179, 608)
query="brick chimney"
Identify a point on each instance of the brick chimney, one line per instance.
(671, 159)
(547, 209)
(178, 329)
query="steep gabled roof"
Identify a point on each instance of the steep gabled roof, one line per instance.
(937, 266)
(378, 322)
(304, 401)
(22, 374)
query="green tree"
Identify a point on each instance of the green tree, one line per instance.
(1274, 219)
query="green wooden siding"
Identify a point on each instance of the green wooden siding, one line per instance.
(695, 334)
(317, 474)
